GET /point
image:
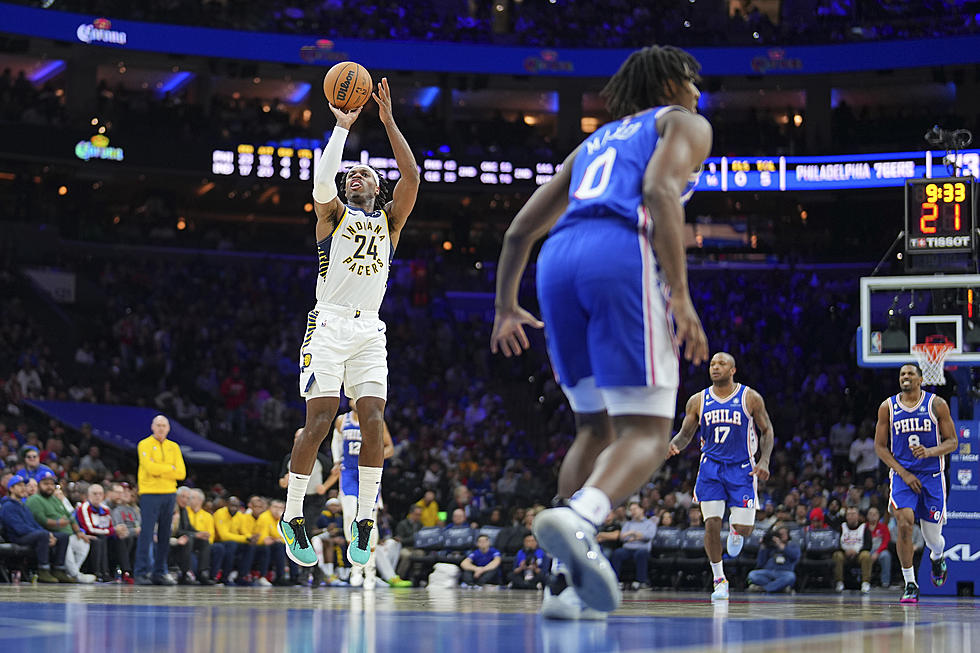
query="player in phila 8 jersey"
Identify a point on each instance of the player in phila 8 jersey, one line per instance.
(612, 283)
(914, 433)
(345, 340)
(727, 416)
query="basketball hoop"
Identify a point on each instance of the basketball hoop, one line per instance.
(931, 355)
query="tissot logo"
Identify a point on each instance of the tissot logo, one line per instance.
(961, 553)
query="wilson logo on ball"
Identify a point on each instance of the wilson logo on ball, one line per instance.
(344, 87)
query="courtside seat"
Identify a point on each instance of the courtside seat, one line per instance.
(428, 542)
(816, 562)
(691, 562)
(18, 556)
(663, 552)
(457, 544)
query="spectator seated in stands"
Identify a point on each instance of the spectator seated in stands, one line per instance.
(125, 510)
(636, 535)
(776, 565)
(880, 539)
(855, 549)
(201, 521)
(186, 540)
(329, 541)
(33, 468)
(96, 520)
(91, 466)
(20, 527)
(430, 509)
(234, 528)
(405, 533)
(270, 560)
(482, 566)
(608, 535)
(53, 512)
(459, 520)
(529, 566)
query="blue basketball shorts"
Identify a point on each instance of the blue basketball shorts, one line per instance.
(606, 313)
(728, 482)
(929, 505)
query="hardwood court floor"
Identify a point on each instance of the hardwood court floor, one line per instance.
(203, 619)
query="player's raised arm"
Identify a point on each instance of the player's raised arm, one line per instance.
(692, 416)
(406, 190)
(685, 142)
(760, 416)
(947, 433)
(325, 200)
(884, 452)
(530, 224)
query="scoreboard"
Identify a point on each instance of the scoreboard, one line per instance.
(939, 215)
(295, 161)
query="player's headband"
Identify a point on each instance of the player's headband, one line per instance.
(377, 182)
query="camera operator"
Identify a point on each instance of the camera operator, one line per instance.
(529, 566)
(777, 560)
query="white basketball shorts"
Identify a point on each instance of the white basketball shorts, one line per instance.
(342, 346)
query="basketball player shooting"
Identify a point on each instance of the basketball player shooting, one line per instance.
(615, 211)
(914, 433)
(727, 416)
(345, 340)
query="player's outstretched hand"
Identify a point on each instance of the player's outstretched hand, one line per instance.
(912, 481)
(345, 118)
(383, 98)
(689, 334)
(672, 450)
(508, 331)
(760, 471)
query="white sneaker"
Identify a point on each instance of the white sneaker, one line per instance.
(263, 582)
(568, 536)
(734, 543)
(86, 579)
(561, 602)
(865, 588)
(839, 587)
(356, 576)
(370, 578)
(721, 590)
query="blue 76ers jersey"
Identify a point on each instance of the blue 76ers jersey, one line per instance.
(726, 428)
(914, 426)
(350, 451)
(607, 174)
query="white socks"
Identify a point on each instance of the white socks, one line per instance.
(908, 574)
(295, 494)
(933, 535)
(368, 482)
(717, 570)
(592, 504)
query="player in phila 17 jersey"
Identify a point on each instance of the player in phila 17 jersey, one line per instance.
(727, 416)
(345, 341)
(914, 433)
(346, 449)
(615, 211)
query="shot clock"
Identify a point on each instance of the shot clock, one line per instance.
(939, 215)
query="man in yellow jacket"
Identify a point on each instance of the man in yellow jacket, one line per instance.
(271, 559)
(160, 467)
(235, 529)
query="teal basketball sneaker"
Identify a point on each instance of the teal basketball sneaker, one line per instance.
(298, 546)
(359, 549)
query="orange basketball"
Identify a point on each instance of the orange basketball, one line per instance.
(347, 85)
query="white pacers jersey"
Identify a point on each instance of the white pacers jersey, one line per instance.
(354, 261)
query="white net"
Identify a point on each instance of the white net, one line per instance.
(931, 356)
